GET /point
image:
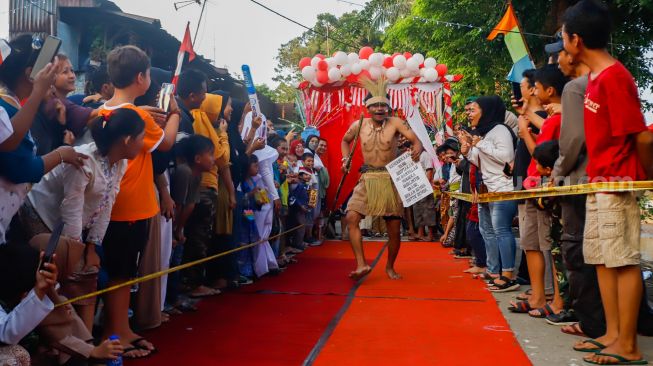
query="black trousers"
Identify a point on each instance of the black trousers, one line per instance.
(584, 293)
(460, 241)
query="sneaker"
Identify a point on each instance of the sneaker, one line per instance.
(316, 243)
(565, 317)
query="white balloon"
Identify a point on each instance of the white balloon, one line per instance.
(314, 61)
(352, 58)
(430, 75)
(334, 74)
(430, 63)
(399, 62)
(331, 61)
(393, 73)
(345, 70)
(421, 72)
(365, 64)
(375, 72)
(308, 72)
(419, 57)
(405, 73)
(376, 59)
(341, 58)
(412, 64)
(356, 68)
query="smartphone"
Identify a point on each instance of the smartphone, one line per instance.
(516, 91)
(167, 92)
(46, 55)
(52, 244)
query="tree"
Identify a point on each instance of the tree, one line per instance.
(347, 33)
(387, 12)
(485, 64)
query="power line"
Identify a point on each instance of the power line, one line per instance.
(304, 26)
(30, 4)
(351, 3)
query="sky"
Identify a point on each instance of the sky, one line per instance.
(234, 32)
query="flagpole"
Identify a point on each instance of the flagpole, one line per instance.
(528, 49)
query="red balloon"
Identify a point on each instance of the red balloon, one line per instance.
(421, 66)
(320, 56)
(365, 74)
(365, 52)
(407, 55)
(441, 69)
(387, 62)
(322, 65)
(322, 77)
(305, 61)
(352, 78)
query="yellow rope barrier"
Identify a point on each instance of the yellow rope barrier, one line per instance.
(579, 189)
(152, 276)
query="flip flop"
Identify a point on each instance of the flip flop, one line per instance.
(131, 349)
(542, 312)
(621, 360)
(590, 350)
(520, 307)
(138, 343)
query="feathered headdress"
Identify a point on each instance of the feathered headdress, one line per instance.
(377, 88)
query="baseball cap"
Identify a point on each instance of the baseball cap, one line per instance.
(555, 47)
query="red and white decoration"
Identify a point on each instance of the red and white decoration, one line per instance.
(399, 68)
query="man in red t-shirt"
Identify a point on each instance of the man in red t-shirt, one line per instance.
(618, 147)
(535, 224)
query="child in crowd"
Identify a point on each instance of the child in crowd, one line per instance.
(252, 201)
(308, 162)
(299, 206)
(194, 157)
(83, 198)
(618, 148)
(534, 224)
(136, 203)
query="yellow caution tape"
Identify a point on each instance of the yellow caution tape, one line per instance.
(173, 269)
(579, 189)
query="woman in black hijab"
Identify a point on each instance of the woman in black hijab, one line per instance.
(490, 150)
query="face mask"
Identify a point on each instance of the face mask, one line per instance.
(312, 146)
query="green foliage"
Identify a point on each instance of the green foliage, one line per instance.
(485, 64)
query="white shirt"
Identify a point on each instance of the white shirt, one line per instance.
(6, 129)
(82, 198)
(12, 197)
(493, 153)
(29, 313)
(425, 161)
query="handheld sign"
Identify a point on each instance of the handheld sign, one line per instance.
(253, 99)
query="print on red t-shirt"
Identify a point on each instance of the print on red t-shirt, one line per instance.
(613, 118)
(550, 131)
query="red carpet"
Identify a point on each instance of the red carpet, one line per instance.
(435, 316)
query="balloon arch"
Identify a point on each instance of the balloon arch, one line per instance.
(331, 99)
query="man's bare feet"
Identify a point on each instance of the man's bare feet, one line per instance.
(107, 350)
(360, 272)
(392, 274)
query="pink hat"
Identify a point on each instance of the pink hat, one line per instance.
(304, 170)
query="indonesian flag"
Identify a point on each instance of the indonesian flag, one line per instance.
(186, 46)
(5, 50)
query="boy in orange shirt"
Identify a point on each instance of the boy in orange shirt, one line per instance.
(136, 203)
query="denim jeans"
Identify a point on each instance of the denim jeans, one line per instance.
(496, 228)
(475, 241)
